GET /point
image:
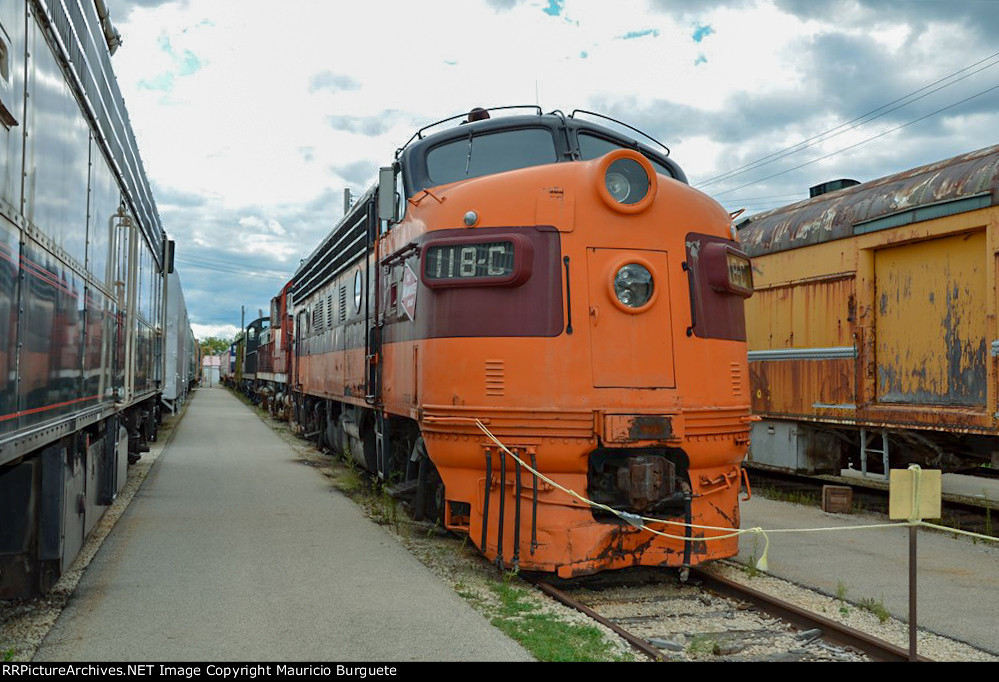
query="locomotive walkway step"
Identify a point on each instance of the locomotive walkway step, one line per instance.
(232, 551)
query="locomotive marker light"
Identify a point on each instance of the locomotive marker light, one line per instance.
(729, 270)
(626, 181)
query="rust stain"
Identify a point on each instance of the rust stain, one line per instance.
(932, 353)
(833, 216)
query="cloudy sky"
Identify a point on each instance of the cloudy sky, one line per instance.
(252, 116)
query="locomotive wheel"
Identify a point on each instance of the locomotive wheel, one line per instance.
(334, 435)
(370, 456)
(432, 495)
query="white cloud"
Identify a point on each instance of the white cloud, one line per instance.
(252, 115)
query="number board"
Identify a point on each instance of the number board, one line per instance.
(471, 261)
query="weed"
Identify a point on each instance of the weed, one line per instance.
(8, 655)
(793, 496)
(876, 607)
(432, 530)
(750, 568)
(702, 645)
(841, 597)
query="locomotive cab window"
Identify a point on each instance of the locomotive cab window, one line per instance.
(593, 147)
(478, 155)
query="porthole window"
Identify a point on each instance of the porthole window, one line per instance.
(358, 291)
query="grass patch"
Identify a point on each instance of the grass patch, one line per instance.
(876, 607)
(841, 597)
(547, 637)
(750, 568)
(703, 645)
(806, 497)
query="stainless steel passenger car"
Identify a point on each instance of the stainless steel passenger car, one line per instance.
(82, 266)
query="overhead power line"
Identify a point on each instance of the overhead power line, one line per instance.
(861, 143)
(861, 120)
(234, 263)
(238, 270)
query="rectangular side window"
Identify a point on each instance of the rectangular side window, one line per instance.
(6, 115)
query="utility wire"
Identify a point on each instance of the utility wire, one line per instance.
(854, 123)
(858, 144)
(245, 273)
(233, 263)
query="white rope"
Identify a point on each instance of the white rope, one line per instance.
(641, 522)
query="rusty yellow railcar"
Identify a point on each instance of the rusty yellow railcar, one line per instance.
(872, 333)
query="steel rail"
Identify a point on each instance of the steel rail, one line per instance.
(832, 631)
(637, 642)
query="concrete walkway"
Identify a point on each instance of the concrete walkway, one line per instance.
(958, 580)
(234, 551)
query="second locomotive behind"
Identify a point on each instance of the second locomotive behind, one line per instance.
(559, 283)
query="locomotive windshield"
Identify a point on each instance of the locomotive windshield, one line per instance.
(593, 147)
(474, 156)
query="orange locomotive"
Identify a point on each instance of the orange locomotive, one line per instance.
(555, 284)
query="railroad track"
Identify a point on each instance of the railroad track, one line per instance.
(713, 618)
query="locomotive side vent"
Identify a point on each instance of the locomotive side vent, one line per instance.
(495, 378)
(737, 383)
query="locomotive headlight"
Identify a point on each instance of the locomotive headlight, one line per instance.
(633, 285)
(626, 181)
(618, 186)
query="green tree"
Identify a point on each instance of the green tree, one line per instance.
(214, 345)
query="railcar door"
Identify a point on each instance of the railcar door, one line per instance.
(931, 326)
(629, 347)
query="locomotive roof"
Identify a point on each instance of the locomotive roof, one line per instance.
(341, 245)
(956, 185)
(564, 131)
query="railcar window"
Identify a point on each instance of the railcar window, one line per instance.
(593, 147)
(4, 60)
(472, 157)
(400, 196)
